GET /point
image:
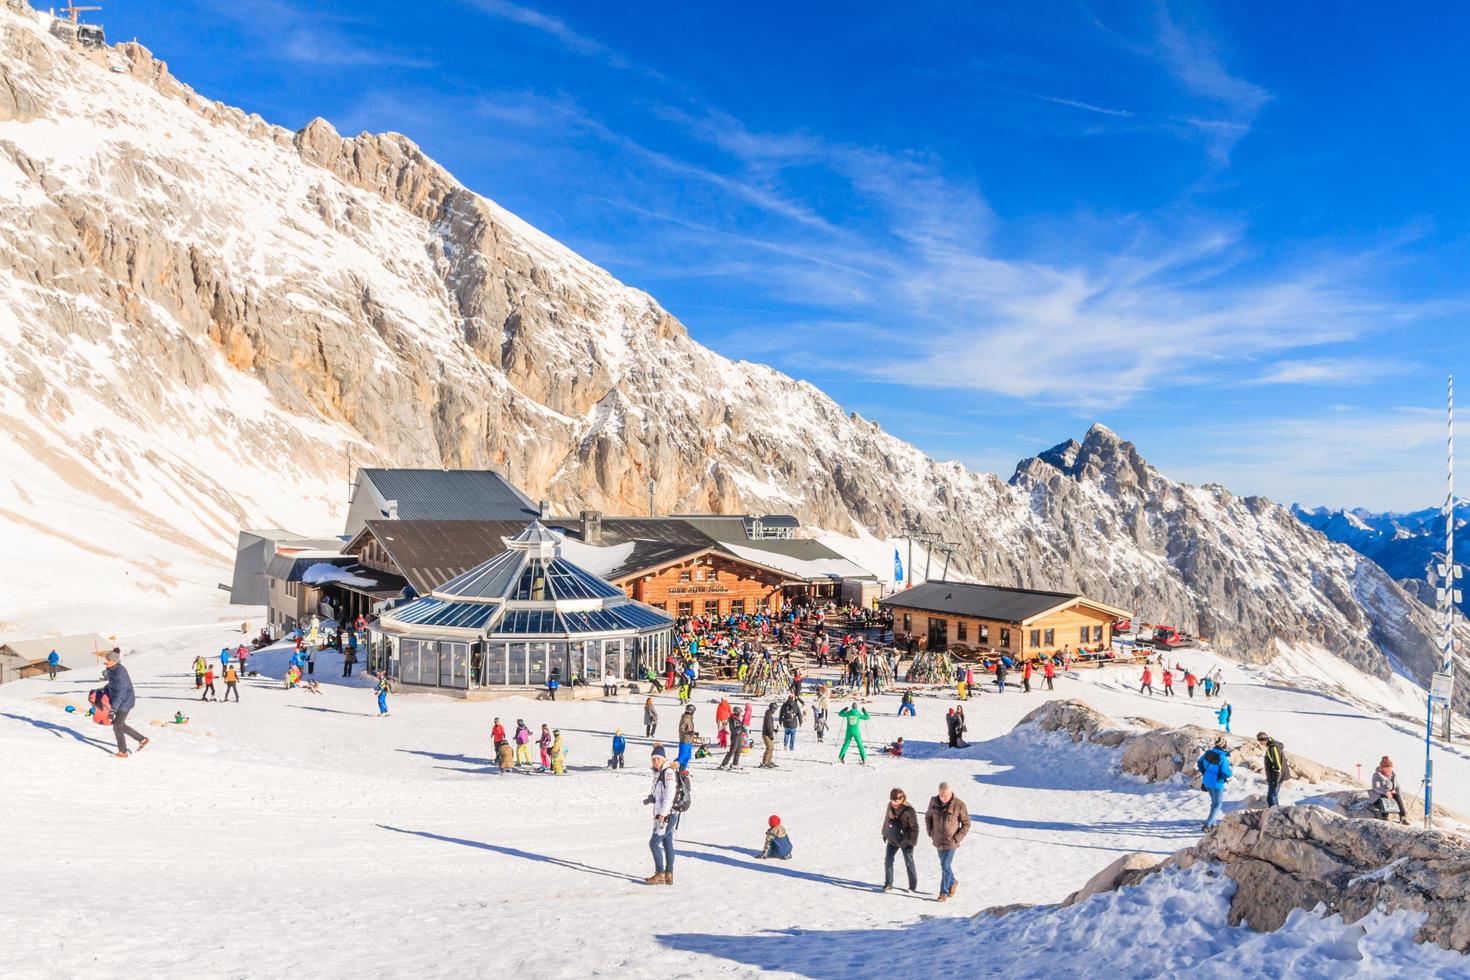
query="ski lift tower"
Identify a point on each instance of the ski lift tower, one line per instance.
(1441, 687)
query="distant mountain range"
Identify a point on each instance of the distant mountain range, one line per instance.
(1407, 546)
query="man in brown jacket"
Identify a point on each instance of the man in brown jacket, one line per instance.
(948, 821)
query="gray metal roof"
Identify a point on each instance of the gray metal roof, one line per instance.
(451, 495)
(981, 601)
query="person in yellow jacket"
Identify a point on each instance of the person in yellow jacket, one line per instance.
(558, 755)
(199, 668)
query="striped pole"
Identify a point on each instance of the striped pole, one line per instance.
(1448, 595)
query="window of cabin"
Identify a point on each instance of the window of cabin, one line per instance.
(908, 623)
(1085, 631)
(686, 608)
(1097, 633)
(684, 575)
(737, 607)
(1051, 639)
(1036, 638)
(984, 633)
(711, 607)
(1005, 637)
(962, 632)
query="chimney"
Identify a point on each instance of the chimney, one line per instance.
(545, 508)
(592, 527)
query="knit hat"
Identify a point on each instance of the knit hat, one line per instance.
(773, 821)
(689, 709)
(659, 753)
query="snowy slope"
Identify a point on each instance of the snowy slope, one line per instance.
(298, 834)
(201, 313)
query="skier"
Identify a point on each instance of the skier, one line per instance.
(1189, 682)
(1148, 682)
(1385, 788)
(1026, 677)
(650, 718)
(790, 719)
(947, 821)
(1215, 772)
(907, 703)
(497, 735)
(1224, 716)
(854, 734)
(1209, 686)
(209, 694)
(778, 843)
(1219, 681)
(722, 715)
(558, 755)
(735, 734)
(199, 668)
(952, 729)
(383, 688)
(53, 660)
(120, 697)
(686, 736)
(232, 683)
(1168, 682)
(665, 818)
(1275, 763)
(768, 737)
(523, 743)
(544, 744)
(619, 746)
(1049, 673)
(1000, 676)
(900, 834)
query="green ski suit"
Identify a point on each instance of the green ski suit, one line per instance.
(854, 734)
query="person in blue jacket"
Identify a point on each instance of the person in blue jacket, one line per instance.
(224, 659)
(552, 683)
(120, 699)
(620, 745)
(53, 660)
(1215, 772)
(1223, 715)
(778, 843)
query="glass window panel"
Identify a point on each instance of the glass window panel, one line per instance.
(517, 664)
(495, 663)
(536, 673)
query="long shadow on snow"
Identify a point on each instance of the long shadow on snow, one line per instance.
(59, 730)
(771, 866)
(516, 853)
(1056, 765)
(841, 954)
(333, 711)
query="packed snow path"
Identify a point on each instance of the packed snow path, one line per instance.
(300, 834)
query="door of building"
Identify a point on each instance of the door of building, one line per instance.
(938, 633)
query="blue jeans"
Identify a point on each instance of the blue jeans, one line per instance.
(1273, 790)
(947, 880)
(661, 843)
(1217, 799)
(790, 739)
(906, 707)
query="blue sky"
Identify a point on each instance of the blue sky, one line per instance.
(1235, 233)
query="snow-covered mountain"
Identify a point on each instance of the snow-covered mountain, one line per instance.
(1408, 546)
(202, 313)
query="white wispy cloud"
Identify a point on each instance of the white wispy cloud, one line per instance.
(1330, 371)
(1078, 104)
(286, 32)
(1192, 59)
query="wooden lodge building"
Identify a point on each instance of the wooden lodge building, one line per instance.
(992, 619)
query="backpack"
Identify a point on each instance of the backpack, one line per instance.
(683, 791)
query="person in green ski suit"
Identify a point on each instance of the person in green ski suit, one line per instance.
(854, 735)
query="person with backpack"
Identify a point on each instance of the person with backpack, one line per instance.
(778, 842)
(1223, 715)
(665, 817)
(523, 743)
(1215, 772)
(650, 718)
(790, 719)
(1275, 765)
(232, 683)
(899, 835)
(687, 735)
(768, 737)
(1385, 788)
(619, 746)
(53, 660)
(383, 688)
(735, 731)
(947, 821)
(121, 699)
(855, 716)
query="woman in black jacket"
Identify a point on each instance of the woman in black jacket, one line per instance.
(900, 833)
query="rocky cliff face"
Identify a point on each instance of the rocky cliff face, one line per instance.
(200, 312)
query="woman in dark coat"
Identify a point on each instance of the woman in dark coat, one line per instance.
(900, 833)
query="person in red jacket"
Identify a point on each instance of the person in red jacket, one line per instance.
(497, 734)
(1168, 682)
(1049, 672)
(1026, 677)
(1148, 682)
(1190, 681)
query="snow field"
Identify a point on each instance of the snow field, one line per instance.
(299, 833)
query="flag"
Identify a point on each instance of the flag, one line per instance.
(897, 567)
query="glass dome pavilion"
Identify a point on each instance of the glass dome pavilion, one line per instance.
(517, 619)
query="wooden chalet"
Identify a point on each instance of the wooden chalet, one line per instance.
(992, 619)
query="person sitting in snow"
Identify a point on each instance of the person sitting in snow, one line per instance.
(778, 844)
(894, 747)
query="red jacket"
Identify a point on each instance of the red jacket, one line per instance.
(1168, 679)
(1148, 676)
(1048, 670)
(497, 734)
